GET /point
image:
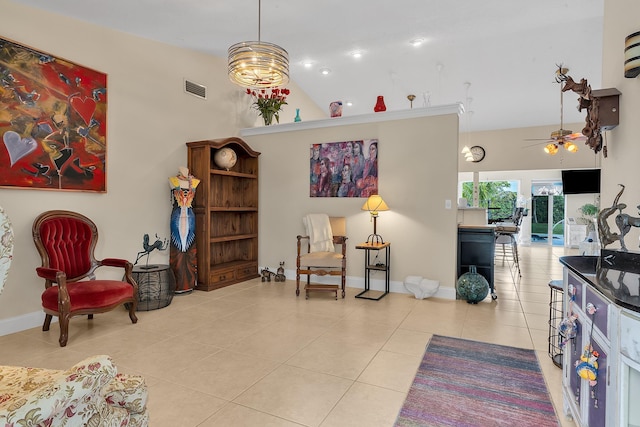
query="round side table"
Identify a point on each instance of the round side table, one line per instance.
(156, 286)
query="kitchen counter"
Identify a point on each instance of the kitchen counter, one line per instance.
(472, 216)
(614, 274)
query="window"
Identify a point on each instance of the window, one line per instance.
(499, 197)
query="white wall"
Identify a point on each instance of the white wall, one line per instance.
(621, 167)
(149, 120)
(508, 149)
(417, 173)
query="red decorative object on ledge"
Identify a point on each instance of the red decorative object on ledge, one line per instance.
(380, 105)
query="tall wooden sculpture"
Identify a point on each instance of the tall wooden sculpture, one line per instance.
(183, 231)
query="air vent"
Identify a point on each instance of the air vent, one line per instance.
(195, 89)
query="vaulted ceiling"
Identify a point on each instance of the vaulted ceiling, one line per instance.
(508, 50)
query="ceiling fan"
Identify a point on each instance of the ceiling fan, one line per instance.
(561, 137)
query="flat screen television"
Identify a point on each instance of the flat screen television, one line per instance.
(581, 181)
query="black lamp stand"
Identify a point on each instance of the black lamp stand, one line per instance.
(374, 238)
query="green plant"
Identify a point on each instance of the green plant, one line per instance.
(588, 211)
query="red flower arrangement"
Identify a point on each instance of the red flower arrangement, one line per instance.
(269, 105)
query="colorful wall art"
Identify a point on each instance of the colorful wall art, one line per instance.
(53, 122)
(344, 169)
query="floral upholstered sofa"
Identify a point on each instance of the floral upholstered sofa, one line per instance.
(90, 394)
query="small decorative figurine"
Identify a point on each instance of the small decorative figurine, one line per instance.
(267, 274)
(380, 106)
(280, 277)
(159, 244)
(335, 109)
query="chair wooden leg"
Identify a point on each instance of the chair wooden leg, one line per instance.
(297, 283)
(47, 322)
(64, 329)
(132, 313)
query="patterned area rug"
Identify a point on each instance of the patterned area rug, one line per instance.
(470, 383)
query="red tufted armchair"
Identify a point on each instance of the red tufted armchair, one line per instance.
(66, 241)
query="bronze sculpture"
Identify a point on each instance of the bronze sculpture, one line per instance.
(624, 222)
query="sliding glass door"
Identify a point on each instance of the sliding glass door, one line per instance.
(547, 215)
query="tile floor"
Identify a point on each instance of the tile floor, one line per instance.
(255, 355)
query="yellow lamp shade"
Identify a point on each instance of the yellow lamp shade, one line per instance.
(374, 204)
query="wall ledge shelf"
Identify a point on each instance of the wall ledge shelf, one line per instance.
(355, 120)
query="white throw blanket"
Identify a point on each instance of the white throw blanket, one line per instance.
(319, 231)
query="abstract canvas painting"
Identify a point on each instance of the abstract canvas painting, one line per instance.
(344, 169)
(53, 122)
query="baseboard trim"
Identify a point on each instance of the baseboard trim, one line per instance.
(22, 322)
(376, 284)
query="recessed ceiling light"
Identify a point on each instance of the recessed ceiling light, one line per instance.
(349, 104)
(307, 64)
(356, 54)
(325, 71)
(416, 42)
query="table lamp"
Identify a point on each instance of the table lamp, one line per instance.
(375, 204)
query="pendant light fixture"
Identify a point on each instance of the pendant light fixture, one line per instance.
(562, 137)
(468, 156)
(258, 64)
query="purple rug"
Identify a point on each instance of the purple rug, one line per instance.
(470, 383)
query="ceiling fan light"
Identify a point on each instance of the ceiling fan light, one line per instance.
(551, 149)
(560, 133)
(570, 147)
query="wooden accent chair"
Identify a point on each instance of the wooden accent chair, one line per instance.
(323, 263)
(66, 241)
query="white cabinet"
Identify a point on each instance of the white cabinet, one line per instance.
(589, 404)
(614, 332)
(629, 374)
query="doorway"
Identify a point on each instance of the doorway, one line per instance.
(547, 214)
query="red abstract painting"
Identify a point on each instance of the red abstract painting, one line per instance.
(53, 122)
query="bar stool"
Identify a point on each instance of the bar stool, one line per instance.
(555, 317)
(507, 230)
(507, 236)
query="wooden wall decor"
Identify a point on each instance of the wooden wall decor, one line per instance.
(601, 106)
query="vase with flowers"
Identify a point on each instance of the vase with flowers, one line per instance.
(269, 104)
